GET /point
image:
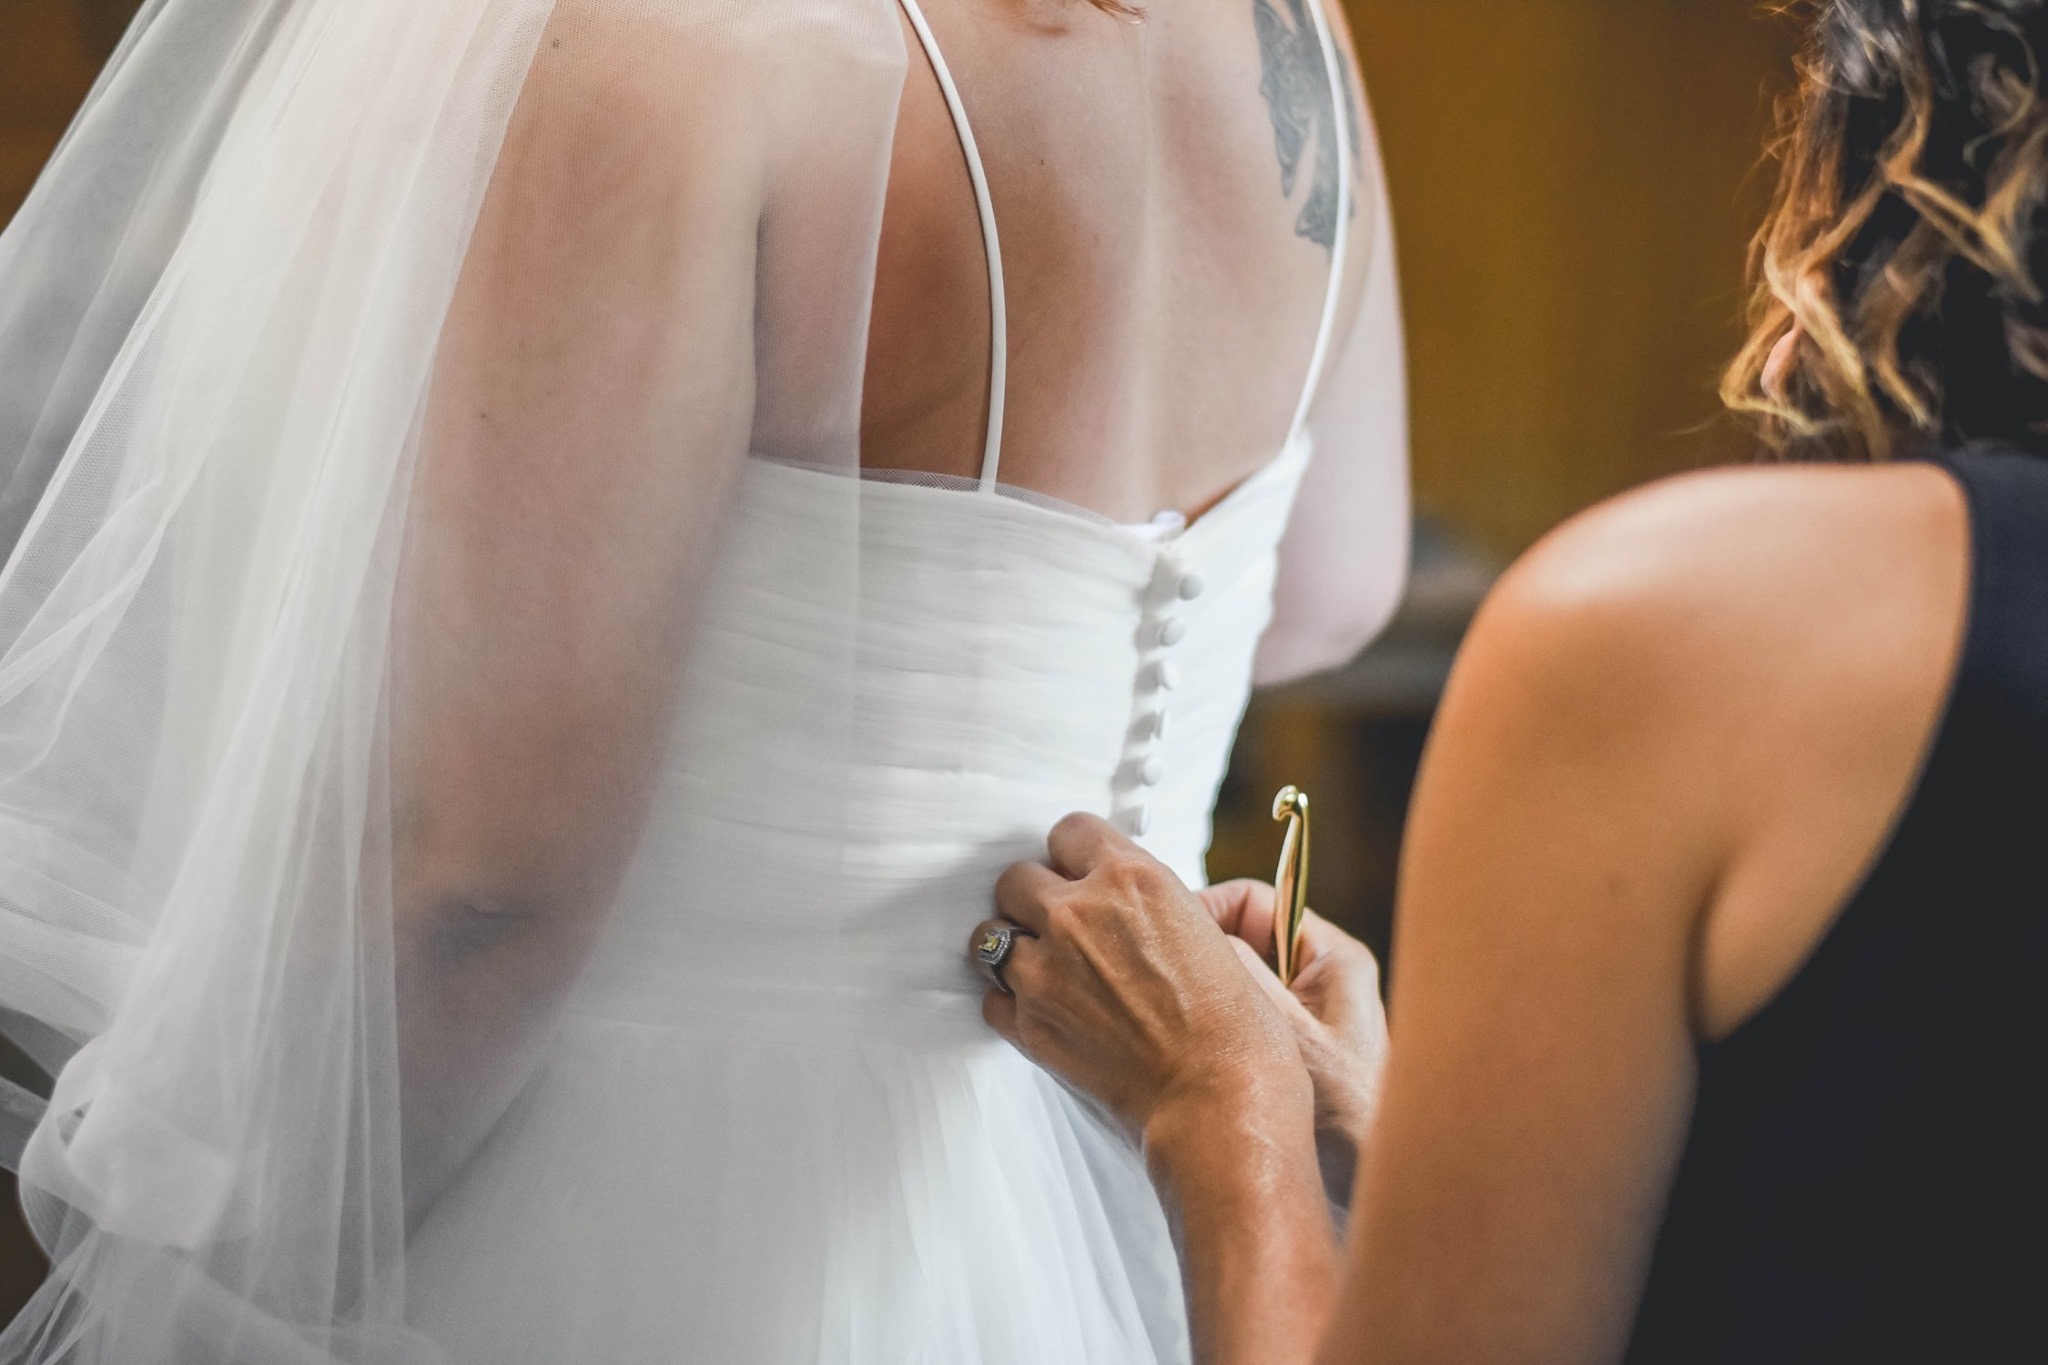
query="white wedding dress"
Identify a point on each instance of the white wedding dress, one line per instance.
(494, 794)
(773, 1126)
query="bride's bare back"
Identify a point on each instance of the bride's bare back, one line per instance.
(1166, 196)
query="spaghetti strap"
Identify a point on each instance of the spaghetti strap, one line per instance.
(998, 315)
(984, 202)
(1340, 239)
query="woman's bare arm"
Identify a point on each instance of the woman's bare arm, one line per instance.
(1567, 831)
(1678, 735)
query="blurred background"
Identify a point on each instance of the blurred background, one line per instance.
(1574, 185)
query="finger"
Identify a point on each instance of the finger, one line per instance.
(1018, 956)
(1000, 1012)
(984, 937)
(1243, 909)
(1318, 938)
(1026, 963)
(1023, 892)
(1079, 843)
(1323, 942)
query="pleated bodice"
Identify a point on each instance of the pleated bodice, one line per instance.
(836, 805)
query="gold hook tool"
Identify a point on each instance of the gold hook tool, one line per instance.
(1290, 883)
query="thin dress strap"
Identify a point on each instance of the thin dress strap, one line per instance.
(984, 202)
(1340, 238)
(998, 310)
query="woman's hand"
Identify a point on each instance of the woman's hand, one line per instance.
(1334, 1010)
(1130, 991)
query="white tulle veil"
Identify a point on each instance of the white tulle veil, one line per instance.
(373, 378)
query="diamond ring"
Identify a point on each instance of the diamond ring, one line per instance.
(993, 949)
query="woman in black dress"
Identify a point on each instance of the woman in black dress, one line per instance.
(1720, 1027)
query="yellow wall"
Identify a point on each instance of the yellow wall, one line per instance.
(1573, 184)
(49, 50)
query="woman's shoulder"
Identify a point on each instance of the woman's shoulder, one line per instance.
(1758, 658)
(1711, 569)
(1744, 525)
(1737, 602)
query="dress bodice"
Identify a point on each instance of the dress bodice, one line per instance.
(815, 846)
(819, 851)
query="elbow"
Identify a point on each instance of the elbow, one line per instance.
(490, 861)
(450, 926)
(1335, 628)
(471, 901)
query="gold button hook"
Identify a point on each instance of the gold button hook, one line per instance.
(1290, 883)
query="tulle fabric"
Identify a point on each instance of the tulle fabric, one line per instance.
(773, 1126)
(852, 1201)
(489, 799)
(376, 377)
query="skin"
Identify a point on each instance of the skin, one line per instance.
(1141, 196)
(1678, 735)
(1333, 1010)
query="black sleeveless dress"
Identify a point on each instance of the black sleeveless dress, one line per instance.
(1867, 1173)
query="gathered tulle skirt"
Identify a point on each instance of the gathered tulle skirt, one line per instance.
(702, 1193)
(773, 1129)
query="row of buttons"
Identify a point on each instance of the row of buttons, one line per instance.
(1159, 675)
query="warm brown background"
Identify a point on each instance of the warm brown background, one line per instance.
(1573, 184)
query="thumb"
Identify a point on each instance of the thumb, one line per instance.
(1243, 909)
(1324, 943)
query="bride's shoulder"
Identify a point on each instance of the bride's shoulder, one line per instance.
(708, 87)
(688, 46)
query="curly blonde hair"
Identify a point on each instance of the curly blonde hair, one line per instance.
(1897, 299)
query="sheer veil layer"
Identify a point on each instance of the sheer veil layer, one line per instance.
(374, 379)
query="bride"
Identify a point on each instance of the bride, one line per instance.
(558, 548)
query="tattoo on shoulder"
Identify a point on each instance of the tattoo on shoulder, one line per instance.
(1296, 86)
